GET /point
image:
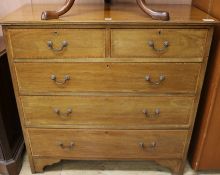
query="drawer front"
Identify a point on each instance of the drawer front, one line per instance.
(165, 43)
(107, 112)
(45, 78)
(57, 43)
(107, 144)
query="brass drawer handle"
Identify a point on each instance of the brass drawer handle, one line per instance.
(152, 115)
(158, 82)
(63, 115)
(152, 145)
(70, 146)
(152, 45)
(65, 79)
(63, 45)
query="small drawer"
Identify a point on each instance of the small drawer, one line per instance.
(57, 43)
(107, 144)
(107, 112)
(45, 78)
(156, 43)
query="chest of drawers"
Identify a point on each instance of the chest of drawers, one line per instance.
(94, 89)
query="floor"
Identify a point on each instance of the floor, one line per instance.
(105, 168)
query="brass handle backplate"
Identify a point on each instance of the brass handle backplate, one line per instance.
(70, 146)
(152, 115)
(63, 45)
(65, 79)
(158, 82)
(63, 115)
(152, 45)
(152, 145)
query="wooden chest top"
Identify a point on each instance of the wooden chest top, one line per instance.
(96, 13)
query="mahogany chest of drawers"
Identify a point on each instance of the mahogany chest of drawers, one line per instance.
(11, 140)
(204, 153)
(108, 84)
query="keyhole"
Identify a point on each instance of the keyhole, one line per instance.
(159, 32)
(108, 66)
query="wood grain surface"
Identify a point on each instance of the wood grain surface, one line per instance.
(204, 152)
(107, 112)
(95, 13)
(31, 43)
(107, 91)
(182, 43)
(107, 144)
(35, 78)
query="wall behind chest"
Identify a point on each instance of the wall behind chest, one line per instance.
(8, 6)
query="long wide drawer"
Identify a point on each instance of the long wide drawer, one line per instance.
(57, 43)
(46, 78)
(107, 144)
(107, 112)
(164, 43)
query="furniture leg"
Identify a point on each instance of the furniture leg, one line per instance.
(159, 15)
(108, 1)
(176, 166)
(55, 14)
(40, 163)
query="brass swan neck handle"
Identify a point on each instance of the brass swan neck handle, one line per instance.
(158, 15)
